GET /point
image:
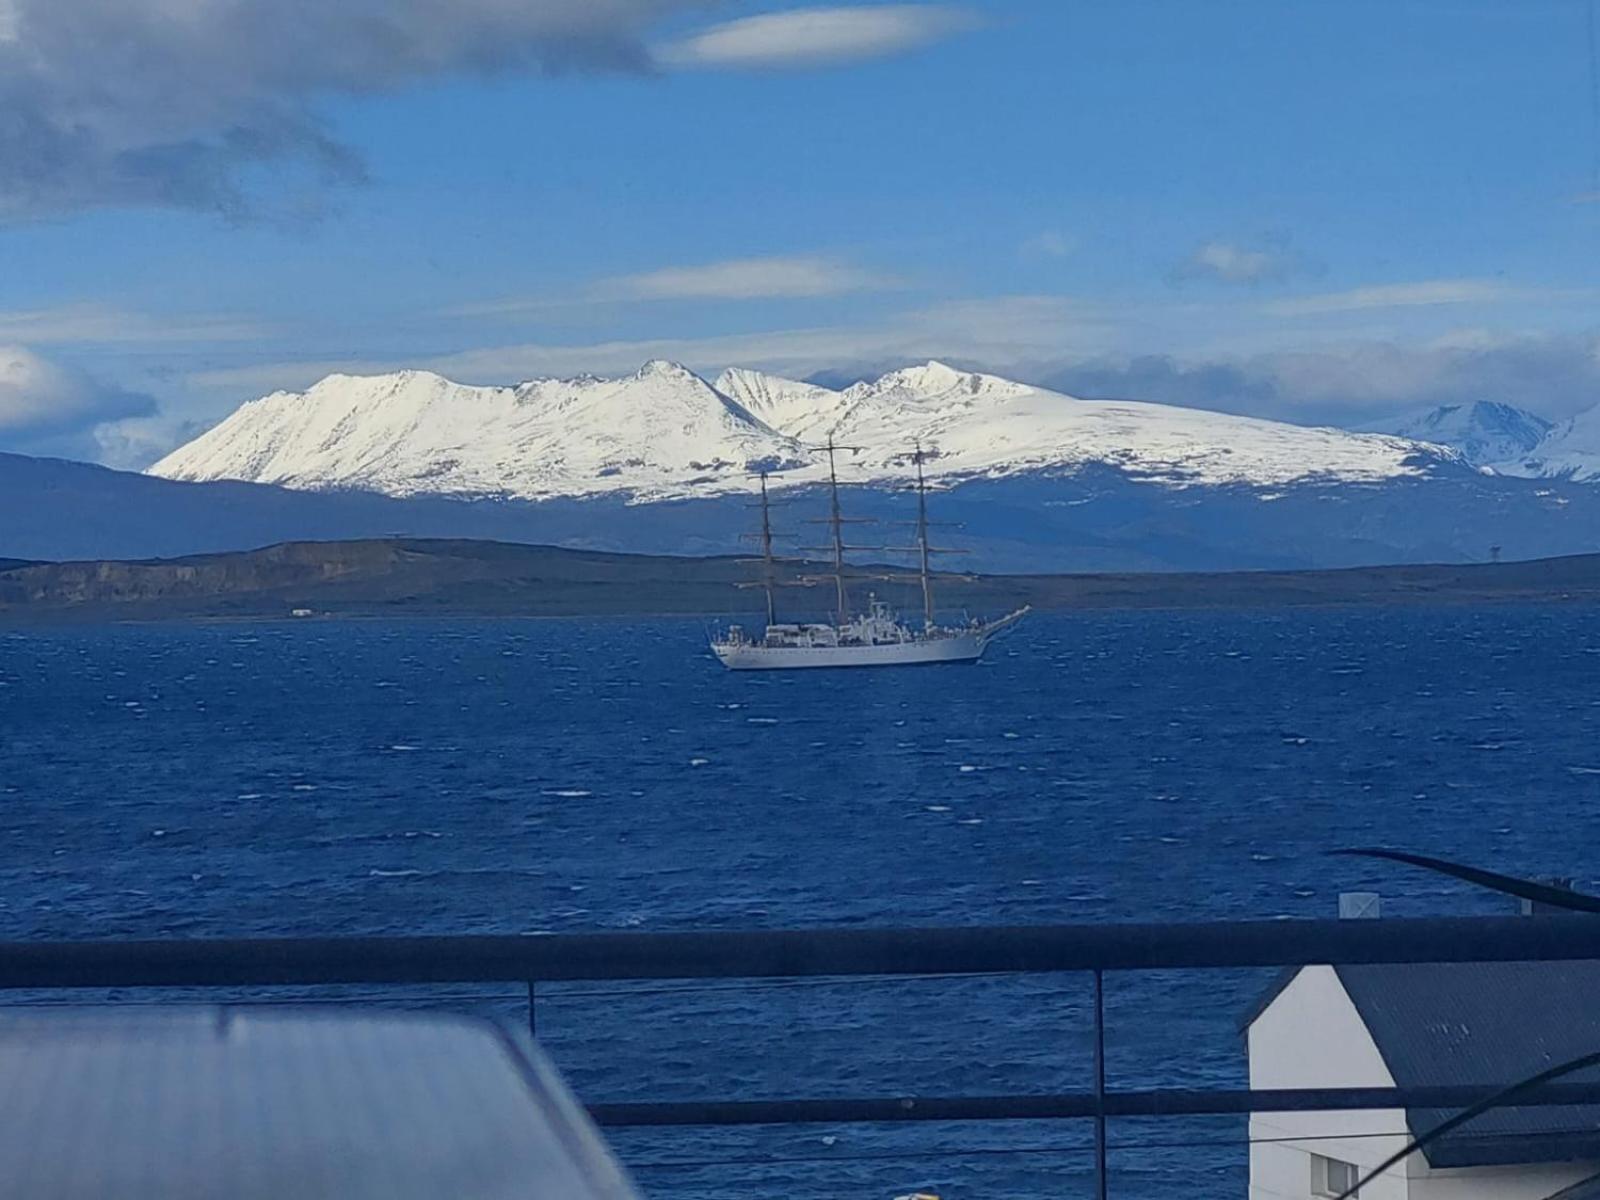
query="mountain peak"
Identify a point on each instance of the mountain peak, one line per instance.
(665, 367)
(931, 377)
(1486, 433)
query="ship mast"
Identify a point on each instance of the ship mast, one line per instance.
(767, 572)
(836, 523)
(924, 551)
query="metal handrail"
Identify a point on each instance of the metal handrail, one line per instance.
(778, 953)
(758, 954)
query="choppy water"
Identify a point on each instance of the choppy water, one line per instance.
(513, 776)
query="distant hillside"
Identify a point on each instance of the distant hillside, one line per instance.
(1094, 519)
(419, 577)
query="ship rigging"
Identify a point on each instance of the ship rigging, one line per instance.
(876, 637)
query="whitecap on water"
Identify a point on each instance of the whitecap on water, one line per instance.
(1584, 770)
(567, 793)
(761, 720)
(378, 873)
(936, 808)
(304, 787)
(248, 796)
(401, 747)
(698, 762)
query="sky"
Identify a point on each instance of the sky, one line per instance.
(1324, 213)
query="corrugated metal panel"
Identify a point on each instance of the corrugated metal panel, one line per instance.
(1487, 1024)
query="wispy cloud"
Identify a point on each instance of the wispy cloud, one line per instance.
(1425, 293)
(1049, 244)
(772, 277)
(1241, 263)
(818, 37)
(1356, 383)
(747, 279)
(1010, 331)
(98, 324)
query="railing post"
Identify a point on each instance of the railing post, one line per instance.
(1100, 1084)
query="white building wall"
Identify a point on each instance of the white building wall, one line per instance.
(1312, 1036)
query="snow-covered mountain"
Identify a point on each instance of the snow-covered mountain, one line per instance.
(659, 430)
(1510, 441)
(1485, 433)
(1571, 450)
(664, 432)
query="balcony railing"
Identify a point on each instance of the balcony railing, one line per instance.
(789, 954)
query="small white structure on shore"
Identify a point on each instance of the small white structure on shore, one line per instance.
(1425, 1025)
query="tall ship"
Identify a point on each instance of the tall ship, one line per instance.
(876, 637)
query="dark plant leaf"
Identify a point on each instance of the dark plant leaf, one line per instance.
(1527, 889)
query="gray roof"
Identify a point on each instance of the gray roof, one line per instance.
(1485, 1024)
(287, 1104)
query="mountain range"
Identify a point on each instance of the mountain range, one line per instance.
(659, 462)
(666, 433)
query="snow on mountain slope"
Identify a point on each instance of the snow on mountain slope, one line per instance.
(975, 425)
(1571, 450)
(665, 432)
(660, 430)
(801, 410)
(1486, 433)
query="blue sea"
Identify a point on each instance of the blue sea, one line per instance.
(517, 776)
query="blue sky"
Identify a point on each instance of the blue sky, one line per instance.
(1313, 211)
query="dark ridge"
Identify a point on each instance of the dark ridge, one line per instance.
(420, 576)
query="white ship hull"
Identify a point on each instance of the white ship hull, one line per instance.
(966, 647)
(873, 640)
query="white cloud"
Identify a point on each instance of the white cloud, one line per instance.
(773, 277)
(1232, 262)
(1003, 331)
(1355, 383)
(1397, 295)
(40, 398)
(178, 103)
(818, 37)
(1049, 244)
(747, 279)
(94, 323)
